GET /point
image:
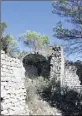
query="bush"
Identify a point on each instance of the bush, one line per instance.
(66, 100)
(36, 86)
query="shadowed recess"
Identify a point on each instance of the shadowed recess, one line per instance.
(36, 65)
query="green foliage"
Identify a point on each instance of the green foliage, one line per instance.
(41, 84)
(8, 43)
(3, 26)
(72, 11)
(69, 8)
(35, 40)
(38, 84)
(65, 34)
(64, 99)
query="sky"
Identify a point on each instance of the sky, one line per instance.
(30, 15)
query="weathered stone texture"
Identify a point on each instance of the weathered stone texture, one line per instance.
(71, 79)
(56, 64)
(65, 74)
(13, 90)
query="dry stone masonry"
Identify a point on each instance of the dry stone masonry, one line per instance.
(56, 64)
(13, 92)
(65, 74)
(71, 79)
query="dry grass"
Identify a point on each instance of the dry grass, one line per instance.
(35, 104)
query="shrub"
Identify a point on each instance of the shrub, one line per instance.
(36, 86)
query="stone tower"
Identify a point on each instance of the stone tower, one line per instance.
(57, 65)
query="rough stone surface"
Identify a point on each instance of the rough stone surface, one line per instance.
(13, 90)
(71, 79)
(64, 72)
(56, 64)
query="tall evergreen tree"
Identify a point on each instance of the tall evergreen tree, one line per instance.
(72, 11)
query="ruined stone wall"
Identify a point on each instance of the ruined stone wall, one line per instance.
(13, 92)
(71, 78)
(55, 63)
(65, 74)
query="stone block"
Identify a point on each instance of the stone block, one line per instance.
(5, 79)
(4, 83)
(3, 74)
(6, 106)
(12, 89)
(2, 88)
(4, 112)
(2, 52)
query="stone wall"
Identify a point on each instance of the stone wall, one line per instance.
(71, 78)
(13, 92)
(60, 72)
(55, 64)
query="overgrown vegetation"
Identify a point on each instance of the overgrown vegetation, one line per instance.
(36, 104)
(69, 102)
(40, 83)
(8, 42)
